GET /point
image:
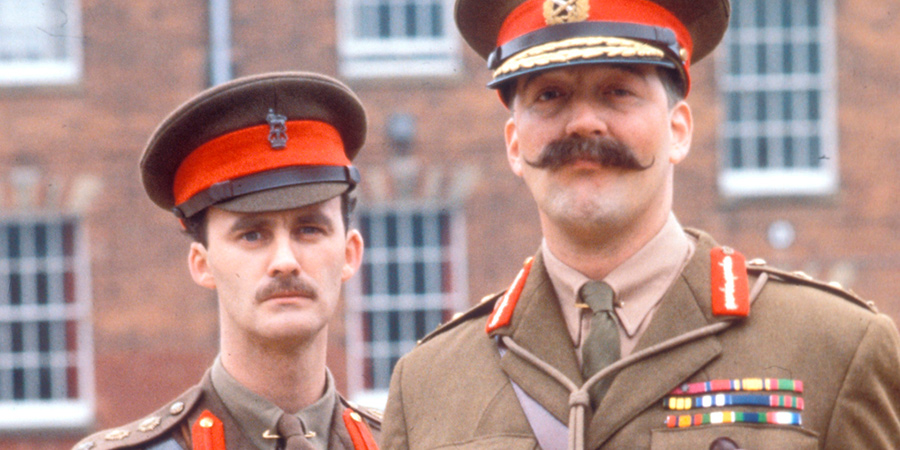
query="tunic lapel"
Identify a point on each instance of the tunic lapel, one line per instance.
(646, 382)
(538, 326)
(234, 436)
(340, 438)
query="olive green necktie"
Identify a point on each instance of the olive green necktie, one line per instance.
(291, 430)
(601, 347)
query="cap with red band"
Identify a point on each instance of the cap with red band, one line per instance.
(525, 36)
(261, 143)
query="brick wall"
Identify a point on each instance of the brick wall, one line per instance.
(155, 332)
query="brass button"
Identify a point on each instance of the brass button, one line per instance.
(723, 443)
(802, 274)
(116, 435)
(176, 408)
(149, 424)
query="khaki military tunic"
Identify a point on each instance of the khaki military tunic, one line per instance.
(170, 427)
(457, 389)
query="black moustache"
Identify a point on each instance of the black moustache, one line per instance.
(604, 151)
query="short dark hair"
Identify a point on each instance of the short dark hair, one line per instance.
(195, 226)
(672, 83)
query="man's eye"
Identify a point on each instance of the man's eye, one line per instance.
(251, 236)
(548, 95)
(310, 230)
(620, 92)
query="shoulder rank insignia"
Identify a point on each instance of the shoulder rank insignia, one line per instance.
(359, 432)
(208, 433)
(503, 310)
(730, 288)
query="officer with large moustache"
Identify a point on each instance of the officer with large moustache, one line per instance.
(626, 330)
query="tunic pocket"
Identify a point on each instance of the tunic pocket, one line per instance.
(745, 436)
(496, 443)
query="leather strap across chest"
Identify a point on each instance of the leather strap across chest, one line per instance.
(579, 397)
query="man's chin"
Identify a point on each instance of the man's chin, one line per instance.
(297, 326)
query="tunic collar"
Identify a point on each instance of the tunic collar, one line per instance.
(256, 415)
(639, 283)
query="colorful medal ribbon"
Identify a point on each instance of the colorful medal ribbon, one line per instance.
(740, 384)
(720, 400)
(771, 417)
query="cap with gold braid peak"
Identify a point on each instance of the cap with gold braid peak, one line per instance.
(517, 37)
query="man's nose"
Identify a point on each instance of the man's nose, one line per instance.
(586, 119)
(284, 258)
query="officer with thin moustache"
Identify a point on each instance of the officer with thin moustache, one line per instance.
(626, 330)
(259, 171)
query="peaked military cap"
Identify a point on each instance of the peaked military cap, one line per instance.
(260, 143)
(517, 37)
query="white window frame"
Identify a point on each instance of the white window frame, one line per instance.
(63, 410)
(396, 56)
(379, 254)
(778, 180)
(46, 29)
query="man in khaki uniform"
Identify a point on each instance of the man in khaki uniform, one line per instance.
(625, 330)
(259, 172)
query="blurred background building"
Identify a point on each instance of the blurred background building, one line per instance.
(794, 160)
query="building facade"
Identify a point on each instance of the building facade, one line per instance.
(793, 161)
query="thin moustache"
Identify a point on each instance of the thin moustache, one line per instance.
(283, 287)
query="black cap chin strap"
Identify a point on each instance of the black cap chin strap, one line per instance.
(272, 179)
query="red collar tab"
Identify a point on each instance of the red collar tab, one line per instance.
(503, 311)
(730, 287)
(359, 432)
(208, 433)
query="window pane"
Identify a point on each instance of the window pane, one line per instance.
(411, 19)
(40, 41)
(12, 245)
(39, 349)
(388, 38)
(414, 260)
(384, 20)
(737, 160)
(815, 153)
(788, 152)
(762, 153)
(437, 19)
(774, 86)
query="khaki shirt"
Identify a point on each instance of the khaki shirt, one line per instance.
(255, 415)
(639, 285)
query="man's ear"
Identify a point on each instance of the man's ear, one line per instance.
(353, 253)
(198, 263)
(681, 125)
(512, 146)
